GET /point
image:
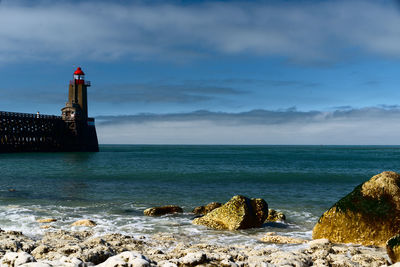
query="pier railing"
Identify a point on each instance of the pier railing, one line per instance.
(28, 115)
(87, 83)
(24, 132)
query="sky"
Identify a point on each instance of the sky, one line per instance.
(210, 72)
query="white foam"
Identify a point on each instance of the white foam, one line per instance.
(23, 218)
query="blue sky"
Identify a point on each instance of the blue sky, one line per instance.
(210, 72)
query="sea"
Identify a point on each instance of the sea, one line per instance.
(114, 186)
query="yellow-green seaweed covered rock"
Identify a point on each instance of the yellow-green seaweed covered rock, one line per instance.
(238, 213)
(393, 248)
(203, 210)
(369, 215)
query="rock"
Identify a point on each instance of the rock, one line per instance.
(40, 251)
(95, 250)
(96, 255)
(13, 241)
(228, 263)
(339, 260)
(158, 211)
(275, 216)
(393, 248)
(193, 259)
(46, 220)
(203, 210)
(60, 237)
(258, 261)
(12, 259)
(140, 263)
(167, 264)
(369, 260)
(238, 213)
(80, 244)
(321, 254)
(84, 246)
(319, 250)
(287, 258)
(271, 237)
(37, 264)
(69, 262)
(320, 263)
(120, 243)
(322, 243)
(369, 215)
(127, 259)
(69, 249)
(85, 222)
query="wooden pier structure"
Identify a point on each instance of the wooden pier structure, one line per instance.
(73, 131)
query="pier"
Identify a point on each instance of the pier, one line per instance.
(73, 131)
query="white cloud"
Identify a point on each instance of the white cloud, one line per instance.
(368, 126)
(372, 132)
(310, 32)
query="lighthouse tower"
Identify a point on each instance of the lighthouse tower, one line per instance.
(81, 128)
(76, 108)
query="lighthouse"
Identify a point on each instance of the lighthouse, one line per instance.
(75, 115)
(76, 107)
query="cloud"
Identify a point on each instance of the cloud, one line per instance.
(205, 91)
(259, 117)
(372, 83)
(304, 32)
(384, 106)
(373, 125)
(254, 117)
(188, 92)
(347, 107)
(267, 83)
(35, 95)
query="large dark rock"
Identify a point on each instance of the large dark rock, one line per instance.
(238, 213)
(369, 215)
(158, 211)
(275, 216)
(393, 248)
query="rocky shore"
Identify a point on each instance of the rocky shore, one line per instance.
(368, 216)
(84, 248)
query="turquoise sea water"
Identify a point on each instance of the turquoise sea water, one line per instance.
(114, 186)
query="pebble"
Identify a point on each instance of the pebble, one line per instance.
(272, 237)
(193, 258)
(12, 259)
(85, 222)
(84, 248)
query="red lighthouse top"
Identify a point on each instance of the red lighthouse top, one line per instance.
(79, 77)
(79, 71)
